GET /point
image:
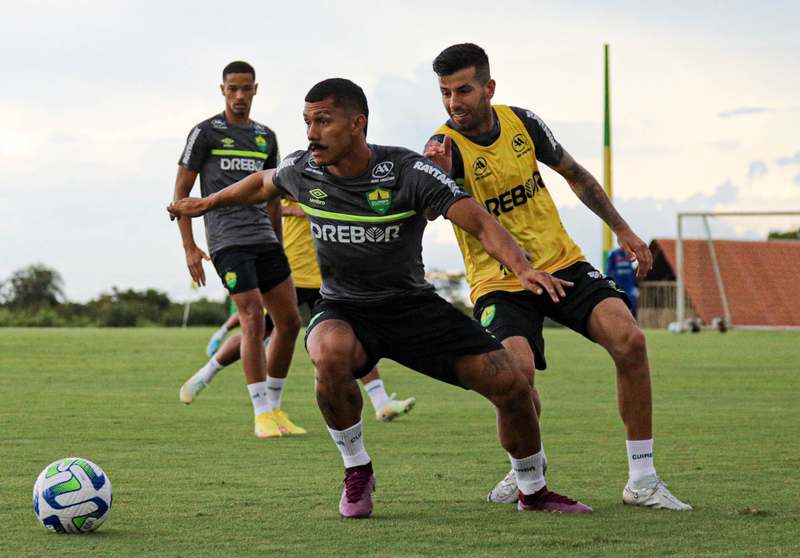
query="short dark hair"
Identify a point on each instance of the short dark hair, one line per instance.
(344, 93)
(238, 67)
(460, 57)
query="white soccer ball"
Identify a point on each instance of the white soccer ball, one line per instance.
(72, 495)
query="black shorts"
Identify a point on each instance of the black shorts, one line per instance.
(304, 296)
(422, 331)
(522, 313)
(244, 268)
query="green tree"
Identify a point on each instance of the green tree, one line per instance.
(788, 235)
(33, 287)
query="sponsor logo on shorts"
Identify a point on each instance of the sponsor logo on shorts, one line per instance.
(595, 274)
(261, 143)
(355, 234)
(241, 163)
(382, 170)
(380, 199)
(230, 279)
(487, 316)
(227, 143)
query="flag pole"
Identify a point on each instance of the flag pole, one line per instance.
(608, 237)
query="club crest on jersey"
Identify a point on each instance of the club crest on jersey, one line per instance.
(383, 169)
(261, 143)
(487, 315)
(380, 199)
(230, 279)
(227, 143)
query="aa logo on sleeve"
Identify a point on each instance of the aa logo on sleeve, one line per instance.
(230, 279)
(487, 315)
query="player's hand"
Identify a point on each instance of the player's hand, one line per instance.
(636, 250)
(540, 281)
(187, 207)
(194, 261)
(441, 153)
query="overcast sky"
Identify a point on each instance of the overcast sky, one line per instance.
(97, 99)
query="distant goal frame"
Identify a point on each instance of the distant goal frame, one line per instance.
(681, 321)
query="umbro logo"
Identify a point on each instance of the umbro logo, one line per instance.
(383, 169)
(317, 193)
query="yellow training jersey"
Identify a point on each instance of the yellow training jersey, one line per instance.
(504, 178)
(299, 247)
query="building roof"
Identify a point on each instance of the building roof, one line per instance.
(761, 278)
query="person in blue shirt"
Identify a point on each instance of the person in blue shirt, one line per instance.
(621, 270)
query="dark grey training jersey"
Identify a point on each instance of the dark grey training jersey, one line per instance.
(224, 153)
(368, 229)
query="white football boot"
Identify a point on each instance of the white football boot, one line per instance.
(507, 491)
(192, 387)
(651, 492)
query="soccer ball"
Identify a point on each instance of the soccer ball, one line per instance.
(72, 495)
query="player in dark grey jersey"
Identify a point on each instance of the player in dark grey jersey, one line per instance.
(365, 203)
(244, 247)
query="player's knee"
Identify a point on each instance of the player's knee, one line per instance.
(289, 324)
(631, 345)
(515, 392)
(329, 356)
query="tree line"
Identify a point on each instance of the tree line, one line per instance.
(34, 297)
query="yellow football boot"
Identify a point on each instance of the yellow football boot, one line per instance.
(284, 424)
(266, 427)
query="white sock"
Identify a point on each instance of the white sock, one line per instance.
(221, 333)
(210, 370)
(529, 473)
(640, 459)
(351, 444)
(275, 391)
(377, 394)
(258, 395)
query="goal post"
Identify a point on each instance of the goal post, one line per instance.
(764, 222)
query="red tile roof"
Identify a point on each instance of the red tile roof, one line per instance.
(761, 279)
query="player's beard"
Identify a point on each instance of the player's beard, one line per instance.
(482, 113)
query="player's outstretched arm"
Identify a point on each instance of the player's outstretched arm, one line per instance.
(594, 197)
(256, 188)
(469, 215)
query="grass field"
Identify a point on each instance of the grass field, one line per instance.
(194, 481)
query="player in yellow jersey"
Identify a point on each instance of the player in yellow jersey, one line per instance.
(299, 247)
(493, 151)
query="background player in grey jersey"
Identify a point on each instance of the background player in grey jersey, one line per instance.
(244, 246)
(365, 204)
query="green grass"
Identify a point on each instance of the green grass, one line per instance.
(194, 481)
